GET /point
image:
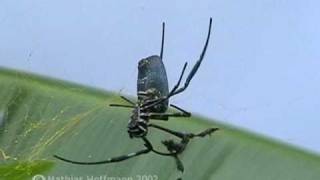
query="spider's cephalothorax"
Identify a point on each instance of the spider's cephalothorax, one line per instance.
(152, 104)
(137, 126)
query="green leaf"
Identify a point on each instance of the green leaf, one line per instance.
(24, 170)
(40, 117)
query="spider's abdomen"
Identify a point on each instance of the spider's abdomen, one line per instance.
(152, 80)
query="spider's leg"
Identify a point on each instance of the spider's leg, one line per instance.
(181, 135)
(193, 71)
(114, 159)
(197, 65)
(180, 78)
(153, 102)
(110, 160)
(165, 116)
(175, 133)
(181, 110)
(149, 146)
(204, 133)
(128, 100)
(179, 147)
(121, 105)
(179, 163)
(162, 40)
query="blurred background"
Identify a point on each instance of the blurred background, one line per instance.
(261, 70)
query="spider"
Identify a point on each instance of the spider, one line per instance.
(153, 101)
